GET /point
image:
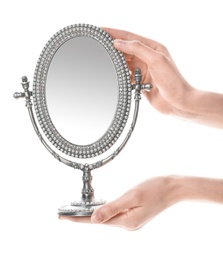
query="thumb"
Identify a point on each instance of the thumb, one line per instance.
(109, 210)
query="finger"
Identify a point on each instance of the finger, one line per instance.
(128, 56)
(75, 219)
(109, 210)
(136, 48)
(131, 219)
(125, 35)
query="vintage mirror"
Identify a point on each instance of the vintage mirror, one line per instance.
(82, 97)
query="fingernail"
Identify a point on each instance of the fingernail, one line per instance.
(118, 42)
(60, 217)
(96, 218)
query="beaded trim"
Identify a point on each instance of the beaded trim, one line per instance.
(124, 97)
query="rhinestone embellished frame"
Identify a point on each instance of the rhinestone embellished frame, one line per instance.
(123, 81)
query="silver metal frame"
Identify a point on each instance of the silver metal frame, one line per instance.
(124, 93)
(88, 203)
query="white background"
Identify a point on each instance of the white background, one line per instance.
(33, 184)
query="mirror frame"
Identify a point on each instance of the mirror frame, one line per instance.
(124, 91)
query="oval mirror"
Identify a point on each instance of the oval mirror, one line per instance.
(82, 91)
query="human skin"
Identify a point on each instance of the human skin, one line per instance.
(171, 95)
(146, 200)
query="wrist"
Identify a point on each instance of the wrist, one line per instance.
(175, 191)
(187, 107)
(201, 107)
(193, 107)
(195, 188)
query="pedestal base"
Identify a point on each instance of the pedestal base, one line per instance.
(80, 208)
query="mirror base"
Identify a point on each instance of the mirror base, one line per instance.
(80, 208)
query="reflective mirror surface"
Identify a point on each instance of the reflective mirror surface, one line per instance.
(82, 90)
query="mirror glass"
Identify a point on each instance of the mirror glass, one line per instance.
(81, 90)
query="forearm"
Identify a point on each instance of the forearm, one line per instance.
(203, 107)
(196, 188)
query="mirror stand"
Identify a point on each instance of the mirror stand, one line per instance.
(87, 203)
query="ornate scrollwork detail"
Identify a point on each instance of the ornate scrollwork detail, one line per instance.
(88, 191)
(77, 166)
(137, 96)
(96, 165)
(26, 94)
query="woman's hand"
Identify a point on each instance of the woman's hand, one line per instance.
(145, 201)
(170, 90)
(136, 207)
(171, 93)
